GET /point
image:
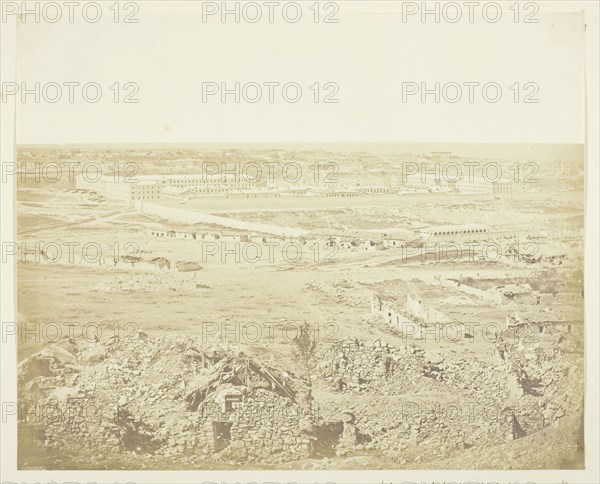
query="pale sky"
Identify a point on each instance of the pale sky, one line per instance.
(368, 54)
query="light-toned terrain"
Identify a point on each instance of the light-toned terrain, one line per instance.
(227, 300)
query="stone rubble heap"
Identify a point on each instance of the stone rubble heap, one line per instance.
(423, 400)
(172, 398)
(355, 366)
(132, 396)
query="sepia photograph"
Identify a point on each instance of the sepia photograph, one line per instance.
(192, 320)
(299, 236)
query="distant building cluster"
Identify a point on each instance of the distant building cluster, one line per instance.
(154, 187)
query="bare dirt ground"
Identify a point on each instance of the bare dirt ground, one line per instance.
(223, 299)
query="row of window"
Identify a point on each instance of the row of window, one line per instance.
(342, 194)
(461, 232)
(192, 184)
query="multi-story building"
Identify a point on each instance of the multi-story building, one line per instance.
(204, 183)
(480, 185)
(121, 188)
(453, 230)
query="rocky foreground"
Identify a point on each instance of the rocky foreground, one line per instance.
(174, 403)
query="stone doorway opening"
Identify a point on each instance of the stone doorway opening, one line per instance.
(327, 438)
(221, 435)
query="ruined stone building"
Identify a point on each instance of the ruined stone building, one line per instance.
(388, 311)
(251, 414)
(415, 306)
(410, 318)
